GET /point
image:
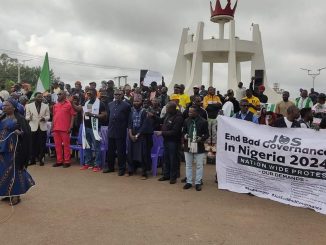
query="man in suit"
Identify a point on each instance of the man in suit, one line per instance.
(38, 113)
(118, 115)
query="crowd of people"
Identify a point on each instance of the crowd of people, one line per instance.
(133, 117)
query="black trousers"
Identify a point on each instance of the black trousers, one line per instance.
(117, 147)
(171, 160)
(38, 144)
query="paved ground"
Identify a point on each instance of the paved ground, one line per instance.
(69, 206)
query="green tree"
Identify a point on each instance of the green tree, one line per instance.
(9, 72)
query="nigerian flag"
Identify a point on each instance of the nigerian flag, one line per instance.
(43, 83)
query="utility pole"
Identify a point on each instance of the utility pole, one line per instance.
(18, 64)
(313, 75)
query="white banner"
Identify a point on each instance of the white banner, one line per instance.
(284, 165)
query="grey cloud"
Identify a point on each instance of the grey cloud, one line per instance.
(146, 34)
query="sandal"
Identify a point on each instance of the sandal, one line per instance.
(14, 201)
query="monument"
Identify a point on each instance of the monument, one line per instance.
(195, 50)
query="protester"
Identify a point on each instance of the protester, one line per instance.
(175, 98)
(220, 96)
(164, 98)
(14, 154)
(267, 117)
(198, 103)
(261, 96)
(184, 99)
(110, 90)
(127, 94)
(55, 90)
(304, 101)
(212, 104)
(78, 92)
(4, 94)
(254, 103)
(245, 113)
(38, 114)
(313, 95)
(319, 109)
(240, 92)
(282, 106)
(202, 91)
(195, 91)
(306, 118)
(230, 98)
(63, 119)
(94, 113)
(153, 91)
(171, 132)
(140, 132)
(290, 121)
(118, 116)
(155, 107)
(195, 131)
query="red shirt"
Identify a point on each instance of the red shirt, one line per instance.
(62, 114)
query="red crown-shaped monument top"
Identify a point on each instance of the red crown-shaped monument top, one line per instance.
(220, 13)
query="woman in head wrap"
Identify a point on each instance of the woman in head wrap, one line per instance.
(14, 153)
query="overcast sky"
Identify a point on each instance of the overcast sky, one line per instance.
(146, 34)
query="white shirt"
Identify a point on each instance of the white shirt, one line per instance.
(240, 93)
(288, 123)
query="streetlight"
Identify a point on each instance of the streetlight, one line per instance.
(18, 79)
(313, 75)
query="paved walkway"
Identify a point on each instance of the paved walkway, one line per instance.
(69, 206)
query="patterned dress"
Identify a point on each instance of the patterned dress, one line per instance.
(14, 180)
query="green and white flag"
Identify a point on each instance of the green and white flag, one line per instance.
(43, 83)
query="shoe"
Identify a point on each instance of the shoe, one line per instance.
(163, 179)
(32, 163)
(41, 162)
(66, 165)
(184, 180)
(5, 199)
(97, 169)
(121, 173)
(251, 195)
(173, 181)
(57, 165)
(84, 167)
(14, 201)
(198, 187)
(90, 167)
(144, 177)
(105, 171)
(187, 186)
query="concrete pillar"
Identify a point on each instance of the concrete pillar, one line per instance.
(180, 70)
(238, 72)
(197, 59)
(221, 29)
(232, 62)
(211, 74)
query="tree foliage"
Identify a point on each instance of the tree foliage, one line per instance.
(9, 72)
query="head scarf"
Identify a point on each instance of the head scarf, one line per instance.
(14, 102)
